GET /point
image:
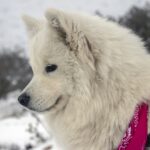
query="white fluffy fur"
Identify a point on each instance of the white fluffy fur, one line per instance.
(103, 73)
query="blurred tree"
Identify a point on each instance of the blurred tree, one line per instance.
(15, 71)
(98, 13)
(138, 19)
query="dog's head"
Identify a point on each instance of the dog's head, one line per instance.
(59, 54)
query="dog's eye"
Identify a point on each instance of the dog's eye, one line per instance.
(50, 68)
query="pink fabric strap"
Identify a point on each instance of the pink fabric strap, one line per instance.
(136, 135)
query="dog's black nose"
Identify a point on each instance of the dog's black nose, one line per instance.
(24, 99)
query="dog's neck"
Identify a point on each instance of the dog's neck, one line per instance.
(87, 131)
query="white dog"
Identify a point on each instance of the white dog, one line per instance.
(89, 75)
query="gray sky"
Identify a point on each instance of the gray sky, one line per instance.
(12, 31)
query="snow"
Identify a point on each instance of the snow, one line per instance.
(19, 128)
(17, 131)
(11, 105)
(12, 30)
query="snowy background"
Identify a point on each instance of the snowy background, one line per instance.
(19, 129)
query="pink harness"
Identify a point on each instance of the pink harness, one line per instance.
(136, 135)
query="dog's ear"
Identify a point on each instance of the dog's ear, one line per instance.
(70, 31)
(58, 21)
(32, 25)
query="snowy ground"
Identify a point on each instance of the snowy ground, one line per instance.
(21, 129)
(20, 132)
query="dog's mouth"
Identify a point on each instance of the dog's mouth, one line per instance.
(48, 108)
(55, 104)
